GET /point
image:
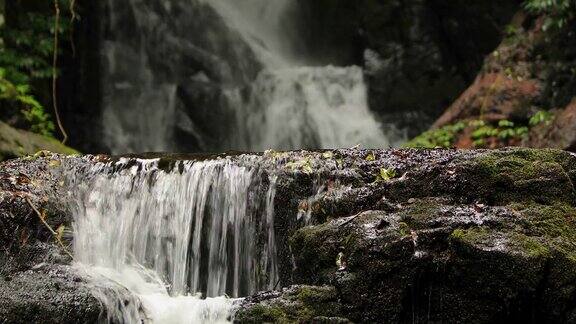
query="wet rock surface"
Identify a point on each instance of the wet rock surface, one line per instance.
(454, 236)
(37, 282)
(362, 236)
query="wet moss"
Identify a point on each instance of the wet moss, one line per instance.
(417, 214)
(296, 304)
(472, 236)
(262, 313)
(530, 245)
(504, 241)
(312, 294)
(315, 257)
(523, 175)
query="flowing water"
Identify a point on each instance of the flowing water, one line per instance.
(203, 229)
(180, 245)
(250, 54)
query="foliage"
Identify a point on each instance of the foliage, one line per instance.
(442, 137)
(503, 130)
(558, 12)
(540, 117)
(32, 111)
(385, 175)
(26, 52)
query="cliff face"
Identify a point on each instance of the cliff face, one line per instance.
(419, 56)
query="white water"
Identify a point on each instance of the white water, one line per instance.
(293, 105)
(206, 228)
(310, 107)
(290, 105)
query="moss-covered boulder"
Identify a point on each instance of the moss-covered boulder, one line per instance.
(16, 143)
(478, 236)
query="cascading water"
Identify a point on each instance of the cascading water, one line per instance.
(249, 89)
(201, 229)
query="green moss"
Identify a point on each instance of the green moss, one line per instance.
(314, 255)
(554, 225)
(478, 236)
(524, 175)
(16, 143)
(264, 314)
(298, 304)
(472, 236)
(417, 214)
(312, 294)
(530, 245)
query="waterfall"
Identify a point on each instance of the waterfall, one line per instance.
(234, 77)
(202, 229)
(310, 107)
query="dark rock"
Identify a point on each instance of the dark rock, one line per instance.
(38, 283)
(425, 52)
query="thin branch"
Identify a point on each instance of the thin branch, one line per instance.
(73, 17)
(56, 236)
(54, 71)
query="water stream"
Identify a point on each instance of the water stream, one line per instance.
(203, 229)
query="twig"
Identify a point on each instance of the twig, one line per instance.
(54, 71)
(73, 14)
(276, 285)
(73, 17)
(348, 221)
(56, 236)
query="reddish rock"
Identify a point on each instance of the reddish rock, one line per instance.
(530, 71)
(560, 133)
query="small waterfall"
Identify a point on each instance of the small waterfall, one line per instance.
(201, 229)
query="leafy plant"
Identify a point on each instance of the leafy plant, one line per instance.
(26, 53)
(18, 96)
(540, 117)
(558, 12)
(503, 130)
(385, 175)
(442, 137)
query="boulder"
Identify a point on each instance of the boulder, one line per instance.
(15, 143)
(454, 236)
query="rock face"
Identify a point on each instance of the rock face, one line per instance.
(37, 286)
(422, 53)
(531, 72)
(454, 237)
(362, 236)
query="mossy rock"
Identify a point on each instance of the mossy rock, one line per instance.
(297, 304)
(501, 177)
(16, 143)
